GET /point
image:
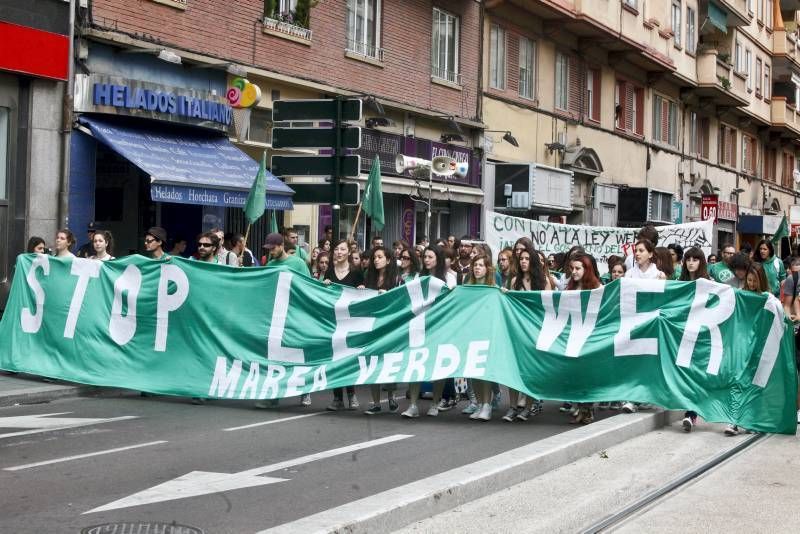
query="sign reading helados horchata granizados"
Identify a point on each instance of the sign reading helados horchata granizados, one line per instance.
(599, 241)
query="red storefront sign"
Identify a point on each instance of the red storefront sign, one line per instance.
(33, 51)
(727, 211)
(709, 207)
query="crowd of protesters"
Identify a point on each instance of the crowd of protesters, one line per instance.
(467, 262)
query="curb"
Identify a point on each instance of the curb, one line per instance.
(47, 393)
(403, 505)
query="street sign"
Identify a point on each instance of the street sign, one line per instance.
(709, 205)
(315, 166)
(315, 110)
(315, 137)
(325, 193)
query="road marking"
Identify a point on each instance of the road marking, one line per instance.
(273, 421)
(199, 483)
(47, 422)
(79, 456)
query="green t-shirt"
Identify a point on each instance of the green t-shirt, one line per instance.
(721, 273)
(302, 254)
(677, 274)
(290, 263)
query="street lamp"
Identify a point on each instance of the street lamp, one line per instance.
(507, 137)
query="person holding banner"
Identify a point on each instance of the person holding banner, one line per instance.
(103, 244)
(409, 265)
(481, 273)
(721, 271)
(65, 240)
(676, 253)
(644, 265)
(505, 268)
(773, 266)
(664, 262)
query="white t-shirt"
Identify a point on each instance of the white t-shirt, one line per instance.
(652, 272)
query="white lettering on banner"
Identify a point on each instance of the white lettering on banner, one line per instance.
(277, 325)
(271, 386)
(416, 364)
(365, 369)
(701, 316)
(32, 322)
(346, 324)
(122, 328)
(320, 379)
(773, 345)
(224, 382)
(419, 304)
(449, 354)
(250, 385)
(296, 381)
(169, 302)
(391, 366)
(630, 319)
(84, 269)
(477, 353)
(569, 309)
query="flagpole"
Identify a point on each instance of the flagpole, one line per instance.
(355, 223)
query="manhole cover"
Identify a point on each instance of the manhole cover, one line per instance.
(144, 527)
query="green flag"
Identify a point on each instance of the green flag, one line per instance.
(257, 198)
(373, 196)
(273, 223)
(781, 232)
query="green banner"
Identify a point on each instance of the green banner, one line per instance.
(186, 328)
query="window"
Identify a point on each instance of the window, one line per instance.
(497, 57)
(738, 58)
(727, 146)
(285, 7)
(676, 22)
(750, 8)
(760, 10)
(767, 84)
(4, 139)
(660, 207)
(363, 27)
(749, 154)
(527, 68)
(631, 3)
(691, 38)
(444, 49)
(698, 135)
(562, 81)
(665, 120)
(787, 170)
(629, 107)
(593, 94)
(768, 12)
(748, 68)
(758, 77)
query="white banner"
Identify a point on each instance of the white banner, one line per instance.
(599, 241)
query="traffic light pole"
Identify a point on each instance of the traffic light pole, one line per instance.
(337, 152)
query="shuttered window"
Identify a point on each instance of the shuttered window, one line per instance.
(527, 67)
(562, 81)
(727, 146)
(629, 107)
(569, 84)
(665, 120)
(592, 106)
(749, 154)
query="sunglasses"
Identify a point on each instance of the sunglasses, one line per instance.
(201, 244)
(148, 241)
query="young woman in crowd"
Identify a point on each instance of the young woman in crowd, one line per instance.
(582, 277)
(693, 268)
(676, 254)
(644, 265)
(481, 272)
(618, 270)
(409, 264)
(551, 280)
(529, 277)
(321, 265)
(432, 265)
(663, 260)
(450, 257)
(505, 267)
(325, 244)
(774, 269)
(65, 240)
(342, 271)
(36, 245)
(381, 276)
(103, 244)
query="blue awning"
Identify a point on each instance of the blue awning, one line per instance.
(718, 17)
(188, 167)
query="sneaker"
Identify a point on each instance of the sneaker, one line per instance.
(471, 408)
(628, 407)
(411, 412)
(266, 404)
(645, 406)
(452, 403)
(731, 430)
(198, 401)
(510, 415)
(604, 406)
(687, 424)
(477, 413)
(305, 400)
(567, 406)
(335, 406)
(374, 409)
(352, 400)
(486, 412)
(444, 405)
(524, 415)
(616, 405)
(393, 406)
(536, 409)
(433, 411)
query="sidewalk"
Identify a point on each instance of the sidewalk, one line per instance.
(29, 389)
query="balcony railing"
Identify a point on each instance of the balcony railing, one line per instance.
(366, 50)
(785, 115)
(786, 43)
(287, 28)
(446, 75)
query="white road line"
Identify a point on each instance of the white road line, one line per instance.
(79, 456)
(91, 422)
(273, 421)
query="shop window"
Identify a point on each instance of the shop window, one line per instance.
(660, 206)
(497, 57)
(4, 160)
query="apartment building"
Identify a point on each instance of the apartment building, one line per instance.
(649, 106)
(415, 63)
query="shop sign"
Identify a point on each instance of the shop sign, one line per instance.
(120, 96)
(726, 210)
(709, 207)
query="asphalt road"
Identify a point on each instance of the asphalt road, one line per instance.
(277, 472)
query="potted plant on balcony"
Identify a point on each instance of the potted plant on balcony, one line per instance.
(299, 17)
(725, 82)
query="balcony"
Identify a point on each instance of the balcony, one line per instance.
(785, 117)
(287, 29)
(738, 15)
(785, 50)
(716, 81)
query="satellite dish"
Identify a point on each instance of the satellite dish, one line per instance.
(796, 176)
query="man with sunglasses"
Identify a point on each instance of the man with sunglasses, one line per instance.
(207, 247)
(154, 241)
